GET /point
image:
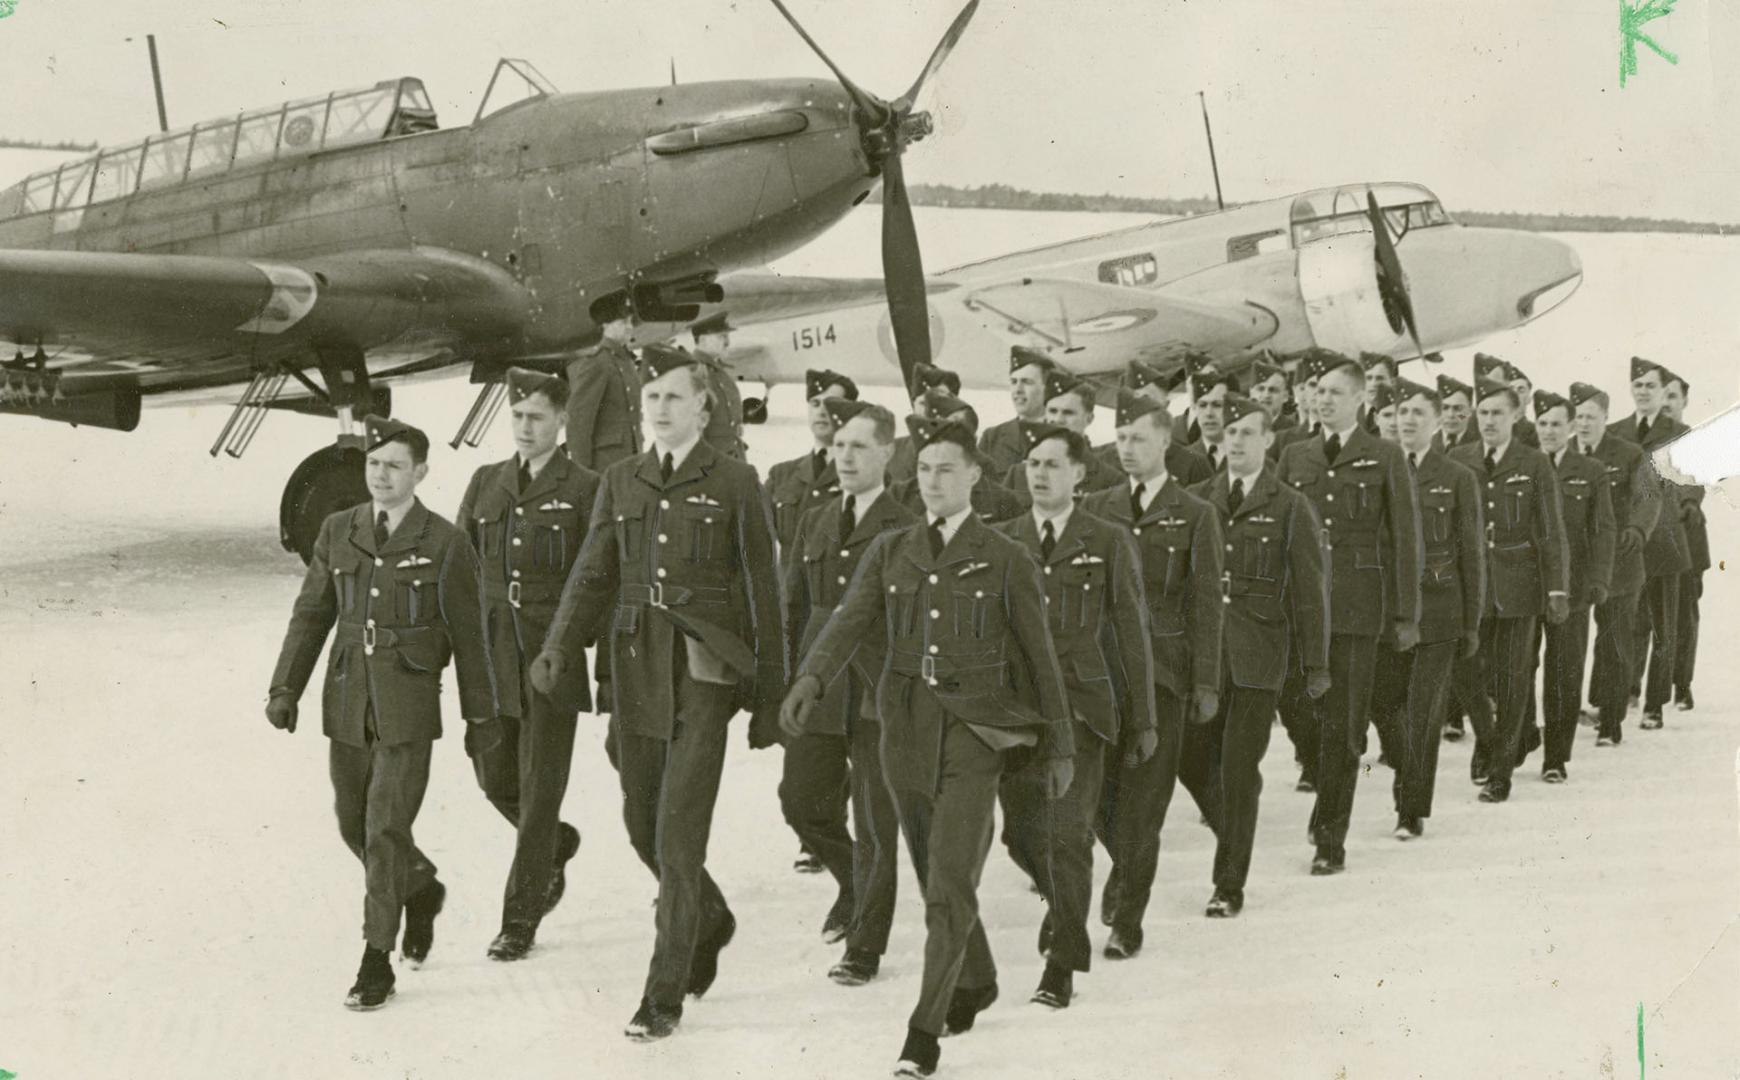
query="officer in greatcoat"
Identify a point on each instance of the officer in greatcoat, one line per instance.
(604, 392)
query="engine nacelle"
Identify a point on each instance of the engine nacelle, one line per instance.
(1343, 306)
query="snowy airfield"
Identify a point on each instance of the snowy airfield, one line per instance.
(175, 902)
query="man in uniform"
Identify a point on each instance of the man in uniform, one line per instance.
(1587, 506)
(1361, 490)
(991, 500)
(1185, 464)
(1452, 595)
(1179, 539)
(806, 481)
(1698, 548)
(904, 464)
(1526, 560)
(1269, 389)
(1001, 445)
(1381, 410)
(1456, 408)
(1208, 390)
(1276, 593)
(1667, 555)
(1093, 590)
(1487, 366)
(1380, 371)
(839, 746)
(725, 418)
(401, 584)
(679, 575)
(527, 517)
(1313, 363)
(958, 605)
(1635, 492)
(1069, 403)
(604, 393)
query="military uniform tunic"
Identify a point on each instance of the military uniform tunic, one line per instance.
(725, 421)
(795, 487)
(603, 405)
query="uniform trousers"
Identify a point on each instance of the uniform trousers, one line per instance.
(525, 777)
(1134, 802)
(1686, 652)
(668, 793)
(1299, 716)
(1562, 687)
(1502, 666)
(1241, 731)
(815, 787)
(1052, 841)
(948, 834)
(1344, 710)
(377, 791)
(1655, 630)
(1389, 698)
(1615, 656)
(1421, 724)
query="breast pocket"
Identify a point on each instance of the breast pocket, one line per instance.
(555, 540)
(1363, 492)
(414, 592)
(1166, 554)
(630, 528)
(1517, 503)
(978, 611)
(1258, 553)
(705, 527)
(1082, 594)
(346, 571)
(1436, 517)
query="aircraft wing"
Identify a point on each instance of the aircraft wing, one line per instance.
(1095, 328)
(163, 323)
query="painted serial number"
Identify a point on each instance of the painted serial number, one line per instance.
(812, 337)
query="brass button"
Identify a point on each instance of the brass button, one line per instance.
(935, 614)
(520, 510)
(664, 504)
(379, 563)
(1048, 569)
(660, 571)
(663, 539)
(841, 579)
(933, 649)
(374, 592)
(933, 579)
(516, 573)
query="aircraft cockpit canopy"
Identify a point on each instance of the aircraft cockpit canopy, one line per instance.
(1334, 211)
(385, 110)
(513, 82)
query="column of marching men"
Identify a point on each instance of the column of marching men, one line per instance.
(937, 623)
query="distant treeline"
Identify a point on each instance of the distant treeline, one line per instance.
(1004, 197)
(38, 144)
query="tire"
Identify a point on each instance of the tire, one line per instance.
(327, 481)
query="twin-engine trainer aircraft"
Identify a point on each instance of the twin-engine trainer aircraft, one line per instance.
(350, 237)
(1361, 268)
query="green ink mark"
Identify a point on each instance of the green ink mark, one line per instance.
(5, 10)
(1640, 1040)
(1631, 20)
(7, 7)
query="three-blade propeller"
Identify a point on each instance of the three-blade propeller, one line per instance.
(1392, 283)
(887, 127)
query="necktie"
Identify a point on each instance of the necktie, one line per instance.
(1413, 462)
(1332, 448)
(849, 518)
(1491, 463)
(665, 467)
(525, 478)
(381, 530)
(821, 463)
(1586, 450)
(1214, 456)
(1642, 430)
(1136, 501)
(1047, 541)
(936, 537)
(1235, 496)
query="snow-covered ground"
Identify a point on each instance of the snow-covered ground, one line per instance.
(175, 902)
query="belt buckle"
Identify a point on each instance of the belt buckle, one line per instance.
(927, 668)
(657, 599)
(514, 593)
(369, 639)
(1226, 586)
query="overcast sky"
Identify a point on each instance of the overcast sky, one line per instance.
(1496, 106)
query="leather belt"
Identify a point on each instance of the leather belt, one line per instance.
(927, 666)
(660, 595)
(372, 637)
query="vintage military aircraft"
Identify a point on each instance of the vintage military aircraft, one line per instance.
(351, 237)
(1376, 267)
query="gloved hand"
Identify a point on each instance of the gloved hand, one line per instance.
(1207, 704)
(1407, 635)
(800, 701)
(1630, 539)
(546, 671)
(1059, 773)
(1316, 683)
(281, 713)
(1470, 644)
(1146, 742)
(482, 735)
(1558, 608)
(1597, 594)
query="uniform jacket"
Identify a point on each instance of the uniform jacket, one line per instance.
(1275, 582)
(1001, 446)
(401, 612)
(1636, 494)
(1526, 554)
(1587, 503)
(527, 542)
(1371, 521)
(794, 487)
(1453, 533)
(1469, 435)
(1285, 438)
(1201, 447)
(820, 566)
(603, 405)
(1179, 539)
(956, 620)
(1093, 590)
(692, 555)
(991, 500)
(1667, 551)
(1100, 475)
(725, 422)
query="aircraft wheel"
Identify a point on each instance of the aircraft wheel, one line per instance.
(755, 410)
(327, 481)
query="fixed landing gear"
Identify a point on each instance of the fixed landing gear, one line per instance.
(755, 408)
(327, 481)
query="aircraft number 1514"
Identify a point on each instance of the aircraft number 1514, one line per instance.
(812, 337)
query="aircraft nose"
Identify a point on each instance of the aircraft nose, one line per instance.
(1468, 283)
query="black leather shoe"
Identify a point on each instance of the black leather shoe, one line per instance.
(839, 919)
(514, 942)
(1329, 860)
(1494, 792)
(567, 846)
(705, 967)
(807, 863)
(420, 912)
(1409, 828)
(1651, 720)
(652, 1022)
(374, 982)
(1453, 731)
(856, 968)
(1225, 905)
(1606, 740)
(918, 1055)
(1109, 899)
(1123, 944)
(1554, 775)
(1683, 699)
(1306, 783)
(966, 1006)
(1056, 987)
